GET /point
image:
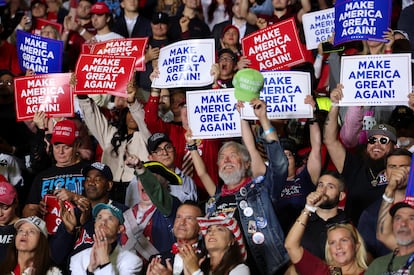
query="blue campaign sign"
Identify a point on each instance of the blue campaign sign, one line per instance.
(361, 20)
(42, 55)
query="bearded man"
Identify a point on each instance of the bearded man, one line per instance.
(331, 184)
(250, 200)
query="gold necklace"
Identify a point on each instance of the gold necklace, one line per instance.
(374, 180)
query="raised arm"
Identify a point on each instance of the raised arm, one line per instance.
(159, 195)
(335, 148)
(199, 165)
(258, 167)
(314, 163)
(294, 237)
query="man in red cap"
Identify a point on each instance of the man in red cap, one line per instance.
(101, 18)
(8, 216)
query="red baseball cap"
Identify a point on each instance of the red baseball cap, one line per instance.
(100, 8)
(65, 132)
(7, 191)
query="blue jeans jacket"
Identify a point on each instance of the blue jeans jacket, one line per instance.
(271, 254)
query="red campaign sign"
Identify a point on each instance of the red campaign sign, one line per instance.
(97, 74)
(53, 215)
(276, 47)
(123, 47)
(40, 23)
(50, 93)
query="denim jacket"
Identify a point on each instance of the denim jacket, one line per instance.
(260, 192)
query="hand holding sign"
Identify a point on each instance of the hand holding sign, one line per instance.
(337, 94)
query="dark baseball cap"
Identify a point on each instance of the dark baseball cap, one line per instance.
(155, 140)
(101, 167)
(160, 17)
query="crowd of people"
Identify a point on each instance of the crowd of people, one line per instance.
(124, 188)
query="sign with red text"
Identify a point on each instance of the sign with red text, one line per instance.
(123, 47)
(186, 63)
(213, 114)
(49, 93)
(98, 74)
(372, 80)
(284, 93)
(276, 47)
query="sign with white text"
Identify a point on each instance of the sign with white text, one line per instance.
(97, 74)
(276, 47)
(361, 20)
(123, 47)
(318, 27)
(213, 114)
(186, 63)
(284, 93)
(49, 93)
(40, 54)
(371, 80)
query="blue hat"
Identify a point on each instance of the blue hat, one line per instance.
(114, 210)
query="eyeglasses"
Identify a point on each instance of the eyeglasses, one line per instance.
(6, 82)
(381, 140)
(167, 148)
(226, 59)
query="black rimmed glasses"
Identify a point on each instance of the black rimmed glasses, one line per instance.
(169, 148)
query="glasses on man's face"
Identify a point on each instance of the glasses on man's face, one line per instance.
(6, 82)
(381, 140)
(167, 148)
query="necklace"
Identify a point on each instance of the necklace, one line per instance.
(374, 180)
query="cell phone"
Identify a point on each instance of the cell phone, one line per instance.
(29, 14)
(330, 48)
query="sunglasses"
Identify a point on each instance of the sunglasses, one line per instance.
(381, 140)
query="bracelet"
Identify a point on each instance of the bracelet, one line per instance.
(306, 213)
(319, 56)
(300, 222)
(387, 199)
(82, 32)
(103, 265)
(387, 51)
(268, 131)
(191, 147)
(312, 120)
(311, 208)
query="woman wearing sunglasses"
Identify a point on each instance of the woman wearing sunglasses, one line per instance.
(344, 249)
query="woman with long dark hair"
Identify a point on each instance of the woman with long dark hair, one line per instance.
(29, 253)
(129, 136)
(225, 246)
(216, 11)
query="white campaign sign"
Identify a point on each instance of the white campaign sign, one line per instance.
(284, 93)
(186, 63)
(371, 80)
(213, 114)
(318, 27)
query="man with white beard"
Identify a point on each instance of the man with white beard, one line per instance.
(401, 259)
(249, 199)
